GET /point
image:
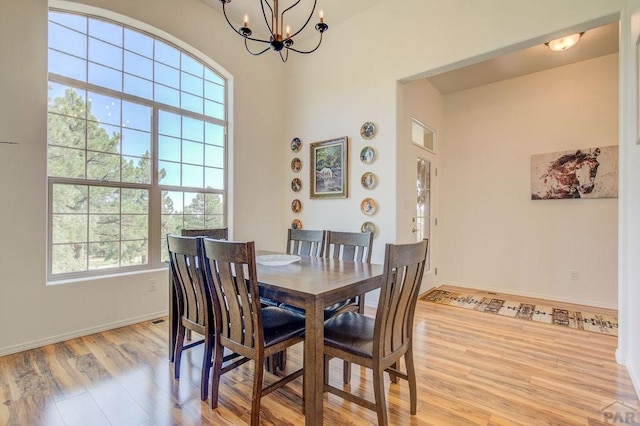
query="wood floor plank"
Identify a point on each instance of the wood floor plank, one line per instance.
(473, 368)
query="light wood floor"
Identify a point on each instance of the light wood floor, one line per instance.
(473, 369)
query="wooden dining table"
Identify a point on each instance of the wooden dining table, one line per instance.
(312, 283)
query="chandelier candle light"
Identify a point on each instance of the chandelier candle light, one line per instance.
(279, 40)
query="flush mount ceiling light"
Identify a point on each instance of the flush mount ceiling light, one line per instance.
(280, 38)
(564, 43)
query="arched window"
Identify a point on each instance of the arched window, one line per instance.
(136, 146)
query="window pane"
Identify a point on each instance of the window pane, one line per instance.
(134, 253)
(191, 84)
(139, 43)
(104, 227)
(214, 204)
(214, 156)
(135, 201)
(67, 65)
(136, 169)
(192, 176)
(67, 100)
(214, 134)
(70, 198)
(169, 173)
(170, 124)
(214, 178)
(213, 77)
(67, 40)
(171, 202)
(138, 87)
(192, 152)
(104, 255)
(76, 22)
(106, 31)
(102, 137)
(192, 66)
(69, 228)
(167, 54)
(105, 54)
(104, 109)
(65, 131)
(166, 75)
(103, 167)
(135, 227)
(166, 95)
(104, 200)
(136, 116)
(105, 77)
(192, 129)
(64, 162)
(135, 142)
(69, 258)
(138, 65)
(169, 148)
(214, 92)
(192, 103)
(213, 109)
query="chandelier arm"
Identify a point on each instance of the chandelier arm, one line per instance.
(238, 32)
(266, 21)
(246, 45)
(308, 19)
(307, 51)
(285, 57)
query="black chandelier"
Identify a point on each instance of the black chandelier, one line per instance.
(280, 37)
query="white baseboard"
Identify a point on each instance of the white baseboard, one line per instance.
(635, 378)
(78, 333)
(535, 295)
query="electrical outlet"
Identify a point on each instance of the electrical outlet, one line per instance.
(152, 285)
(573, 275)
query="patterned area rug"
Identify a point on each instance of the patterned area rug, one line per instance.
(579, 320)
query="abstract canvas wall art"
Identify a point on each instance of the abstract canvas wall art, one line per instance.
(581, 173)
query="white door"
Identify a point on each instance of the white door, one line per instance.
(425, 220)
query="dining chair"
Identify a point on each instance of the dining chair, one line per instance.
(356, 247)
(195, 309)
(215, 233)
(380, 343)
(242, 324)
(306, 242)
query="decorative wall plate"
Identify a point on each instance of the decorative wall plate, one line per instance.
(368, 206)
(296, 164)
(367, 155)
(369, 180)
(296, 144)
(296, 206)
(368, 130)
(296, 224)
(368, 227)
(296, 184)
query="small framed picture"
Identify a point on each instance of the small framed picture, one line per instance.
(369, 180)
(296, 164)
(368, 227)
(296, 144)
(368, 130)
(296, 224)
(367, 155)
(296, 206)
(296, 185)
(329, 169)
(368, 206)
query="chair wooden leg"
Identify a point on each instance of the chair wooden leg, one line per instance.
(378, 391)
(411, 378)
(217, 372)
(346, 372)
(177, 356)
(393, 377)
(206, 368)
(326, 369)
(258, 376)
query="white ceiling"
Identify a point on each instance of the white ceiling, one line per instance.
(595, 42)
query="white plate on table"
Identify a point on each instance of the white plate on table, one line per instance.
(277, 259)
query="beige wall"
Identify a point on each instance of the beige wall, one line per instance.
(493, 236)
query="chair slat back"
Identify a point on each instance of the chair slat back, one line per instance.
(215, 233)
(403, 270)
(305, 242)
(230, 267)
(355, 246)
(192, 292)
